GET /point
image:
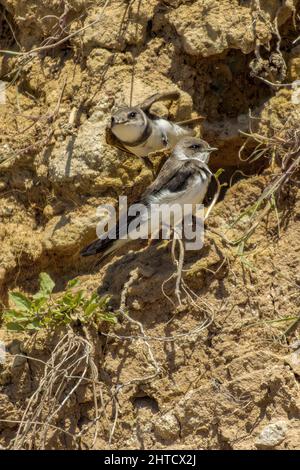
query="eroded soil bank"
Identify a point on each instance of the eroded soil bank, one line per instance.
(232, 383)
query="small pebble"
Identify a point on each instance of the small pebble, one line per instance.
(272, 434)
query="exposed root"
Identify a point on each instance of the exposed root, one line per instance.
(275, 65)
(283, 148)
(152, 361)
(179, 266)
(51, 45)
(191, 298)
(45, 123)
(133, 277)
(146, 339)
(70, 364)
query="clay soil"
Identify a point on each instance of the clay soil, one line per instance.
(172, 384)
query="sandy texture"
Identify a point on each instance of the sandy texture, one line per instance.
(235, 385)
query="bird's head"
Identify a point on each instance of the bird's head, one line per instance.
(192, 147)
(128, 124)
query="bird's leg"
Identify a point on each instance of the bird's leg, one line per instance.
(151, 242)
(156, 237)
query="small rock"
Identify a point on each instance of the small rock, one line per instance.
(295, 344)
(293, 360)
(136, 305)
(147, 271)
(7, 211)
(272, 434)
(3, 185)
(48, 211)
(19, 361)
(14, 347)
(167, 427)
(5, 377)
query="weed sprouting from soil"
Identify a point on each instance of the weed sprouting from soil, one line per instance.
(44, 310)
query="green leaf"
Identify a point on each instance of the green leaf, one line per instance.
(38, 302)
(77, 298)
(12, 326)
(46, 283)
(20, 301)
(39, 295)
(67, 300)
(219, 172)
(90, 308)
(71, 301)
(109, 317)
(35, 325)
(9, 315)
(73, 283)
(16, 316)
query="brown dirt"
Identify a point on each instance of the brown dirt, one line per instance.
(221, 388)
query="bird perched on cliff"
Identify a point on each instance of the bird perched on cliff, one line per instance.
(140, 132)
(183, 179)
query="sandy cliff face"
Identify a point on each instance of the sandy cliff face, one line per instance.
(219, 388)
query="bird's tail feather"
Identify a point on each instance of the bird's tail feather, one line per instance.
(103, 246)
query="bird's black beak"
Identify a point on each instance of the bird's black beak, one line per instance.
(112, 122)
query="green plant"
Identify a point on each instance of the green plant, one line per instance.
(44, 310)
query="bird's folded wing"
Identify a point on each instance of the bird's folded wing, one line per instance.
(173, 177)
(105, 241)
(171, 95)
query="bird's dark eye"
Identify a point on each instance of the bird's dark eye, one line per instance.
(195, 146)
(132, 115)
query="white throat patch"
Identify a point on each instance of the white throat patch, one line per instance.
(128, 132)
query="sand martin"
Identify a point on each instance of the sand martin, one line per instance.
(140, 132)
(183, 179)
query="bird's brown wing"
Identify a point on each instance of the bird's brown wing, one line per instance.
(171, 95)
(168, 170)
(173, 177)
